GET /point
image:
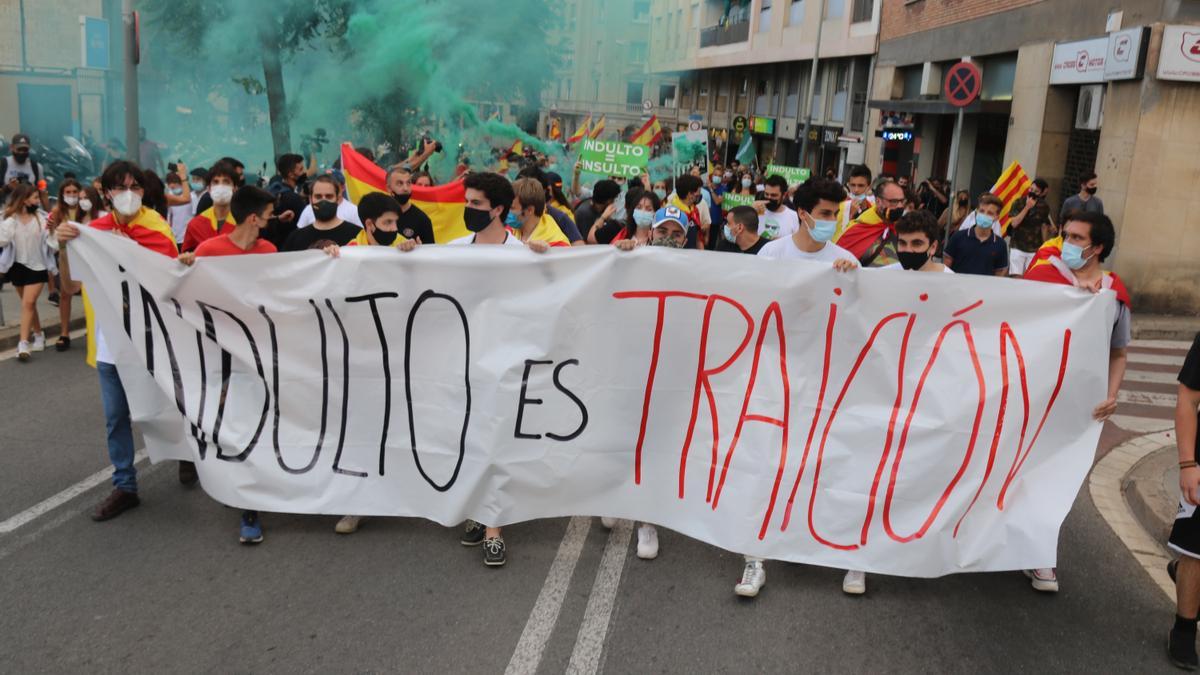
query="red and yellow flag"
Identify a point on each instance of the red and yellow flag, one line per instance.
(518, 148)
(442, 203)
(582, 132)
(649, 134)
(1013, 184)
(599, 129)
(555, 129)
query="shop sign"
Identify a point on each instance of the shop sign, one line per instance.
(1180, 55)
(1080, 62)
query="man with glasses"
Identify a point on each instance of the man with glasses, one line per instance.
(872, 236)
(123, 183)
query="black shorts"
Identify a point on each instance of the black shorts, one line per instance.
(20, 275)
(1185, 533)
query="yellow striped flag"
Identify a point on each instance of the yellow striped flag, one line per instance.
(649, 134)
(1013, 184)
(443, 204)
(582, 132)
(599, 128)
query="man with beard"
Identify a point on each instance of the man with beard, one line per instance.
(871, 237)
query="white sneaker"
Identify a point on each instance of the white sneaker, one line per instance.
(754, 576)
(22, 351)
(348, 524)
(647, 542)
(608, 523)
(39, 342)
(855, 583)
(1044, 579)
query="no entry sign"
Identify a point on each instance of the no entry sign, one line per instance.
(962, 85)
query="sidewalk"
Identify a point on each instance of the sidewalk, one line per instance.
(1165, 327)
(10, 312)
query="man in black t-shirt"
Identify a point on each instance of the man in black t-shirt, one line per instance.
(597, 209)
(740, 233)
(326, 193)
(1185, 535)
(412, 222)
(288, 202)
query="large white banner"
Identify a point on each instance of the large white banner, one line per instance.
(895, 422)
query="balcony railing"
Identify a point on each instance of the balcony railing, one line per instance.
(727, 34)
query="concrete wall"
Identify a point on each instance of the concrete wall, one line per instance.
(1148, 173)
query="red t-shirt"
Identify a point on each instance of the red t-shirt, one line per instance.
(223, 245)
(204, 227)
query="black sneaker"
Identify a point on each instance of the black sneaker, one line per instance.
(473, 534)
(1181, 648)
(187, 473)
(53, 298)
(493, 555)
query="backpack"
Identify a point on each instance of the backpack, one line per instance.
(4, 169)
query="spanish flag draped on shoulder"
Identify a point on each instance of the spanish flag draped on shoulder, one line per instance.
(147, 229)
(442, 203)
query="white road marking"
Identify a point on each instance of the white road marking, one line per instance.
(589, 645)
(75, 337)
(1146, 398)
(528, 654)
(1141, 425)
(1181, 345)
(50, 503)
(1156, 359)
(1151, 376)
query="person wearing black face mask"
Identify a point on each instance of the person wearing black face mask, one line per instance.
(326, 195)
(1086, 201)
(871, 237)
(412, 222)
(286, 185)
(19, 167)
(918, 237)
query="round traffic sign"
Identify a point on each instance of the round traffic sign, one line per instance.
(694, 125)
(647, 105)
(963, 84)
(739, 123)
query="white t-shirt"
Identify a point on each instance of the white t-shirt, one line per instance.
(898, 266)
(786, 248)
(25, 169)
(179, 216)
(778, 225)
(510, 240)
(346, 210)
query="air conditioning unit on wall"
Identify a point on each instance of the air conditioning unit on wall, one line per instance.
(1090, 112)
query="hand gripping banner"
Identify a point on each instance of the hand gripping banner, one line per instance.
(896, 422)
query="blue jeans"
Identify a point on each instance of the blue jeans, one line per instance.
(120, 428)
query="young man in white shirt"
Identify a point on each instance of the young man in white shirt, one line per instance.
(778, 221)
(817, 203)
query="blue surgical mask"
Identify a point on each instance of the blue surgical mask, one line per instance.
(176, 191)
(643, 218)
(662, 194)
(1072, 255)
(729, 235)
(823, 230)
(512, 221)
(196, 186)
(984, 220)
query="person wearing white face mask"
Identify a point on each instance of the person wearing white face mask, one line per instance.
(217, 220)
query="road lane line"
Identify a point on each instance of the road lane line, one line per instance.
(1156, 359)
(55, 501)
(528, 654)
(1146, 398)
(589, 645)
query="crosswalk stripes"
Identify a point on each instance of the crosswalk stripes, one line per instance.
(1147, 396)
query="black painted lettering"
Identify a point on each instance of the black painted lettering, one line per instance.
(529, 364)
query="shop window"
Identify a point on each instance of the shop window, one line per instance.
(841, 91)
(999, 73)
(791, 103)
(760, 98)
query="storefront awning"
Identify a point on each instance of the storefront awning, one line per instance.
(935, 107)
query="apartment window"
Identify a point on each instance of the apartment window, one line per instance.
(567, 88)
(641, 10)
(702, 94)
(999, 73)
(912, 81)
(864, 10)
(679, 29)
(796, 13)
(637, 52)
(791, 103)
(741, 93)
(841, 91)
(760, 97)
(687, 91)
(666, 95)
(633, 93)
(722, 93)
(695, 16)
(835, 9)
(817, 112)
(764, 16)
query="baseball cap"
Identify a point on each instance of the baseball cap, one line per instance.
(20, 139)
(554, 178)
(671, 213)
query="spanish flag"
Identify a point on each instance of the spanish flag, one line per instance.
(1013, 184)
(518, 148)
(599, 128)
(442, 203)
(649, 134)
(555, 129)
(582, 132)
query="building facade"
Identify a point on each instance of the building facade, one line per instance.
(1069, 87)
(55, 64)
(747, 64)
(604, 71)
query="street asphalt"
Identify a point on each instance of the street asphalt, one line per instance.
(167, 588)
